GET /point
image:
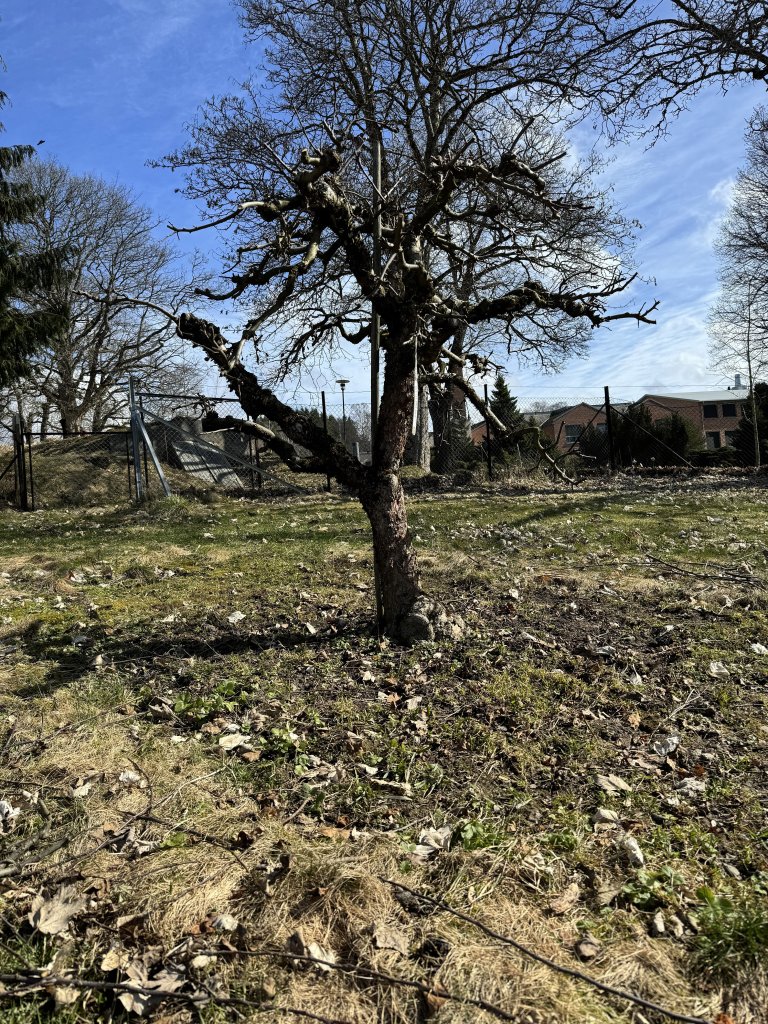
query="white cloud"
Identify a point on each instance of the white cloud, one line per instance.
(721, 192)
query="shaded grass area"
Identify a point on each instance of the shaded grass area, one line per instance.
(198, 695)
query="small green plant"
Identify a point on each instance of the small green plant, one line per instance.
(226, 698)
(477, 835)
(733, 931)
(649, 890)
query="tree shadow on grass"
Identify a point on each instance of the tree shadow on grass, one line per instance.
(164, 651)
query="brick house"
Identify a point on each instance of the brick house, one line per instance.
(567, 425)
(478, 430)
(715, 414)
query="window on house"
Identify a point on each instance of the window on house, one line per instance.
(713, 440)
(601, 428)
(710, 412)
(572, 432)
(731, 438)
(729, 409)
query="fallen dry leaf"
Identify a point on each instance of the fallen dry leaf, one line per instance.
(566, 901)
(433, 1000)
(386, 937)
(52, 916)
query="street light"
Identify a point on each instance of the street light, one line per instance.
(342, 384)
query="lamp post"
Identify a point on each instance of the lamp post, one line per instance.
(342, 384)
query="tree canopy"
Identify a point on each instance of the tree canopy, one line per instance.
(400, 170)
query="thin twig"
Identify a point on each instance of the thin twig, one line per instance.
(369, 974)
(204, 837)
(539, 958)
(32, 984)
(726, 575)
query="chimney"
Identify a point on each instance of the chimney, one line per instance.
(737, 382)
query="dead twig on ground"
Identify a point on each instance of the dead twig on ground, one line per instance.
(724, 573)
(368, 974)
(539, 958)
(29, 984)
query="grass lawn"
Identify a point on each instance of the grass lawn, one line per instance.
(213, 769)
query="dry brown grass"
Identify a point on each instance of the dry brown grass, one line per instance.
(222, 827)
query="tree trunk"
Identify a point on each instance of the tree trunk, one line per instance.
(384, 503)
(409, 615)
(71, 422)
(440, 410)
(45, 415)
(417, 451)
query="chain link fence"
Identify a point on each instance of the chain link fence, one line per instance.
(173, 444)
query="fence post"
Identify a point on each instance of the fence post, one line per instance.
(128, 464)
(325, 428)
(137, 474)
(609, 430)
(250, 460)
(146, 465)
(488, 435)
(21, 463)
(258, 468)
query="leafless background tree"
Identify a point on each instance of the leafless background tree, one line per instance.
(738, 322)
(78, 378)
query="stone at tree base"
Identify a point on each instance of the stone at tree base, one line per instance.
(428, 620)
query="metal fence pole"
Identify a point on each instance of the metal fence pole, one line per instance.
(250, 459)
(128, 464)
(325, 428)
(146, 465)
(609, 430)
(137, 476)
(488, 435)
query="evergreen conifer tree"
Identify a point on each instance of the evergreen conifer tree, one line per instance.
(22, 329)
(504, 404)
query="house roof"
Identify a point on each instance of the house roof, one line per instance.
(719, 395)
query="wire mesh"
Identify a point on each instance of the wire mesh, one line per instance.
(450, 442)
(193, 461)
(78, 470)
(8, 482)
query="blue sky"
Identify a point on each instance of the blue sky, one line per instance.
(110, 84)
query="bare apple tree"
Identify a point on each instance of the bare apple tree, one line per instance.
(399, 174)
